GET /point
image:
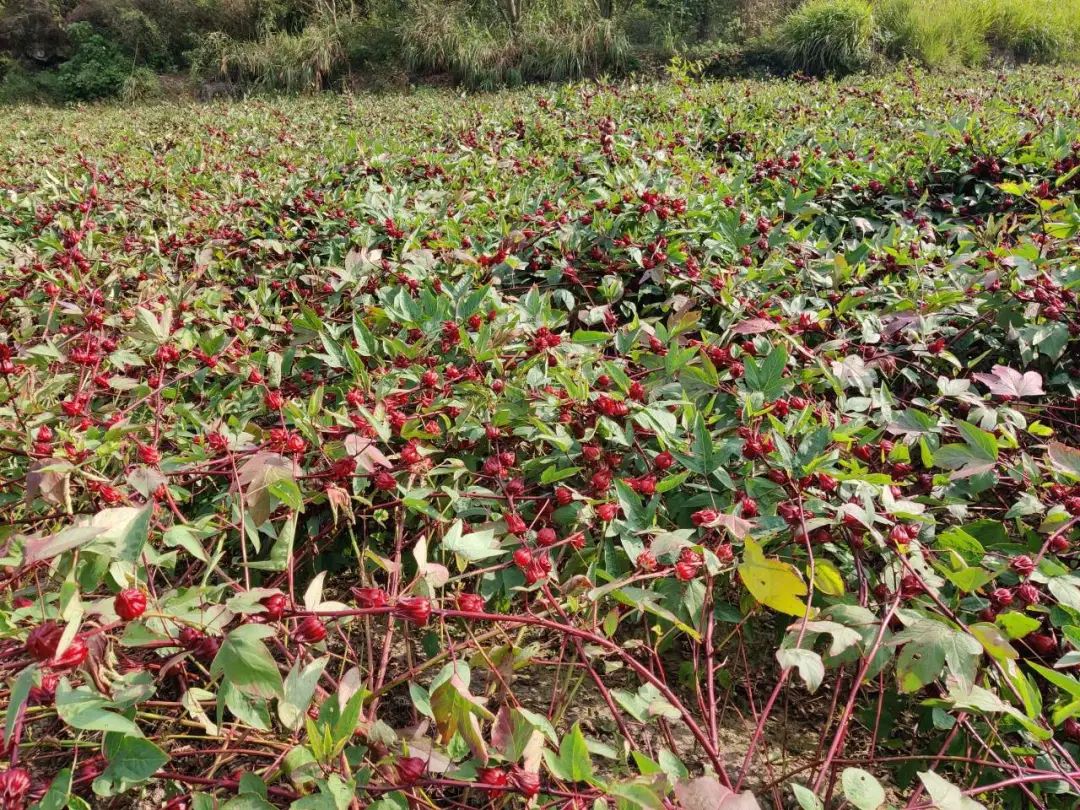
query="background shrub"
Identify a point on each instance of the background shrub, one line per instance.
(97, 69)
(299, 62)
(374, 42)
(934, 32)
(554, 42)
(142, 84)
(1027, 31)
(828, 36)
(941, 33)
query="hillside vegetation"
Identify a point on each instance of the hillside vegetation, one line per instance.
(79, 50)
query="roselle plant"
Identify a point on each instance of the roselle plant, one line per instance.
(703, 445)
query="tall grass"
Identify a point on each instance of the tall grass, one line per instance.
(548, 44)
(942, 33)
(289, 62)
(828, 36)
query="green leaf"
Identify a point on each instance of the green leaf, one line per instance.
(767, 377)
(19, 692)
(252, 783)
(1059, 679)
(252, 711)
(125, 528)
(827, 578)
(1017, 625)
(473, 546)
(458, 712)
(1064, 458)
(248, 801)
(636, 796)
(993, 641)
(391, 801)
(961, 542)
(929, 647)
(946, 795)
(704, 450)
(149, 327)
(957, 456)
(421, 700)
(862, 789)
(288, 492)
(574, 755)
(59, 790)
(811, 667)
(806, 798)
(85, 709)
(553, 474)
(589, 337)
(133, 759)
(1066, 589)
(299, 688)
(672, 482)
(256, 476)
(247, 664)
(982, 443)
(968, 579)
(345, 723)
(45, 548)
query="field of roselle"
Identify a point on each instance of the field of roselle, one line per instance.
(668, 445)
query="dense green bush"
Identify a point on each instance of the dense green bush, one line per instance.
(828, 36)
(135, 31)
(97, 69)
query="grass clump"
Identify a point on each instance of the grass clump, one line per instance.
(972, 33)
(828, 37)
(293, 63)
(546, 44)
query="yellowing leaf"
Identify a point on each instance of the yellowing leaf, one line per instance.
(774, 583)
(827, 578)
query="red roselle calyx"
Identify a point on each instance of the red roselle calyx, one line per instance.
(413, 609)
(45, 693)
(14, 787)
(527, 782)
(130, 604)
(492, 778)
(705, 517)
(607, 511)
(470, 602)
(409, 769)
(1023, 565)
(75, 653)
(310, 631)
(43, 640)
(371, 597)
(275, 604)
